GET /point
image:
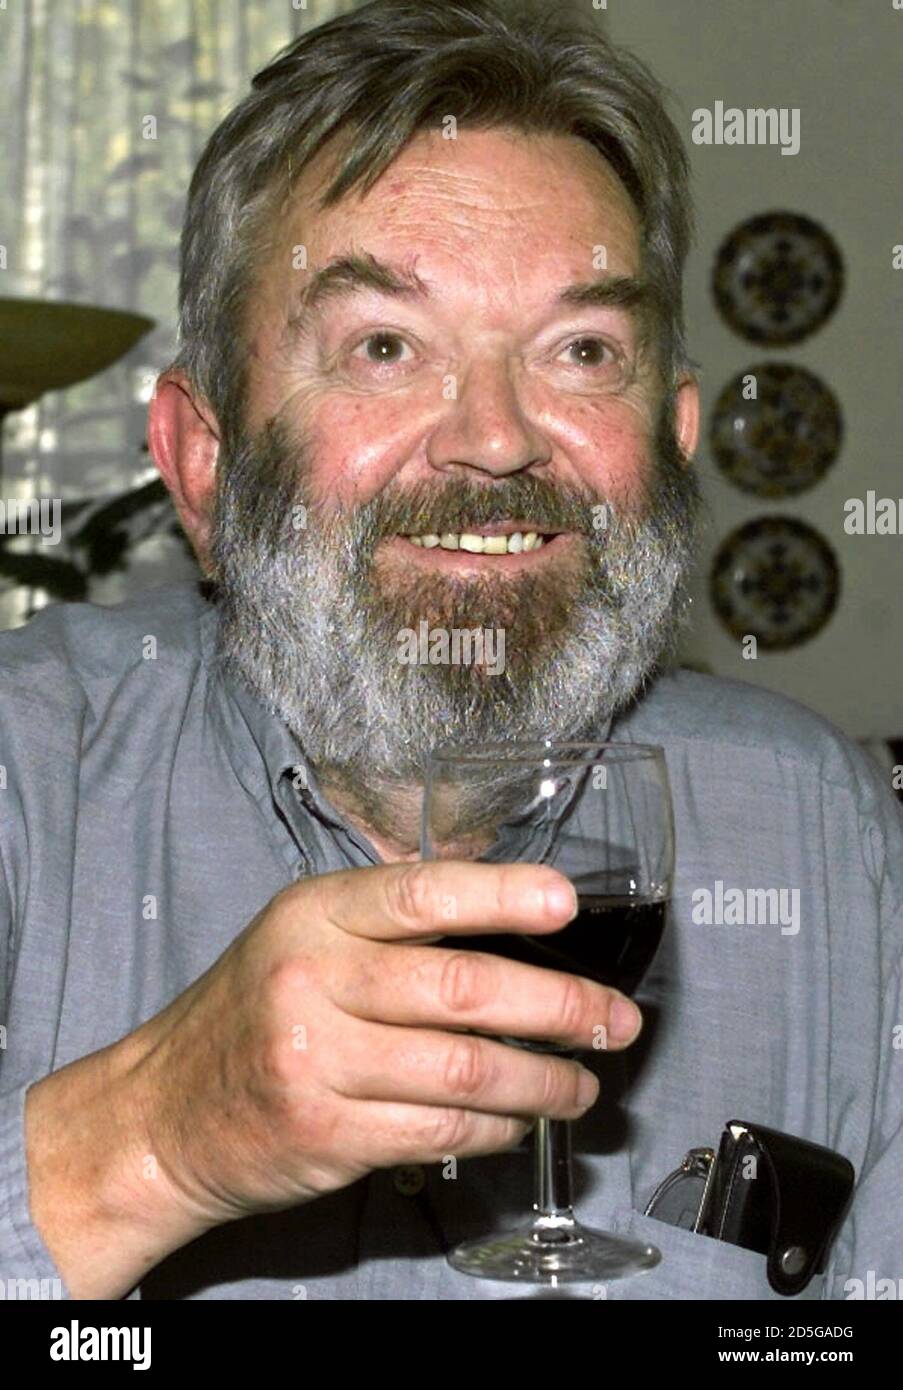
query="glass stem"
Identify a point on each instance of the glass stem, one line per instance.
(553, 1200)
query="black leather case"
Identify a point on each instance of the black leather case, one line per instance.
(788, 1203)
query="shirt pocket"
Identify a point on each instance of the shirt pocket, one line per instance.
(697, 1267)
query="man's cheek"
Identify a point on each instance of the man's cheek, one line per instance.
(361, 445)
(618, 453)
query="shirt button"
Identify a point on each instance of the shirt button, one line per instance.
(409, 1179)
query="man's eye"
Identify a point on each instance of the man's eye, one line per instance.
(382, 349)
(589, 352)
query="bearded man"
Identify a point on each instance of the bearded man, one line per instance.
(432, 370)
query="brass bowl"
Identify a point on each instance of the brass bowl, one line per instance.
(46, 345)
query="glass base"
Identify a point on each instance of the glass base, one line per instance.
(554, 1251)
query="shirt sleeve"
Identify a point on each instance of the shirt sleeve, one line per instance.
(27, 1269)
(26, 1265)
(868, 1262)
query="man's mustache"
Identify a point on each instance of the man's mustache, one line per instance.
(463, 506)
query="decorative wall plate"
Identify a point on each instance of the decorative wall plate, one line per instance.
(782, 442)
(775, 579)
(778, 277)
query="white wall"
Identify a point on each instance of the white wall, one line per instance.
(841, 63)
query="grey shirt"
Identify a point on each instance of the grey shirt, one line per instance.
(149, 810)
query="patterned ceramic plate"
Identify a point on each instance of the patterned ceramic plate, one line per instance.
(782, 442)
(777, 580)
(778, 278)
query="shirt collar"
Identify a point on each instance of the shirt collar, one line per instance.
(270, 762)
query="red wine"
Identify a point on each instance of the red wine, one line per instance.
(612, 940)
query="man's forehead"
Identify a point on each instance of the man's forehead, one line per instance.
(493, 188)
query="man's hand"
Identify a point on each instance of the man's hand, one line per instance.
(330, 1039)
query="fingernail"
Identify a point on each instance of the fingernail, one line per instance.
(624, 1020)
(587, 1088)
(560, 898)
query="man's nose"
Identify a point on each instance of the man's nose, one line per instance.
(484, 426)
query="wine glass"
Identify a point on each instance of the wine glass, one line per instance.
(600, 813)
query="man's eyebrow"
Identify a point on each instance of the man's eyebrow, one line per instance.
(350, 274)
(610, 291)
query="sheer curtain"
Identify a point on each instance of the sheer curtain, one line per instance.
(105, 106)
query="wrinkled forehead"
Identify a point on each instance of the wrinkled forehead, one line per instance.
(527, 204)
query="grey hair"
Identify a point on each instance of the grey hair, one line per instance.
(382, 73)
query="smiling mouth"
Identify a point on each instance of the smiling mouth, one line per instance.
(503, 538)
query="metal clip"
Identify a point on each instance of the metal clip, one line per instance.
(680, 1198)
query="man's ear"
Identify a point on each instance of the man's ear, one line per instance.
(184, 441)
(686, 416)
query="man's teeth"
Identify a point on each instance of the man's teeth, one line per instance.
(481, 545)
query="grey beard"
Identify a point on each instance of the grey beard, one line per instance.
(306, 626)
